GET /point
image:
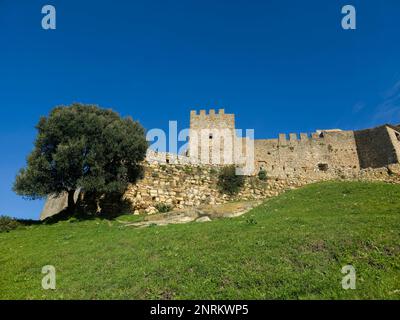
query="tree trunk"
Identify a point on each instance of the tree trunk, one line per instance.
(71, 202)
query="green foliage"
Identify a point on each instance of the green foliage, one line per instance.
(296, 250)
(188, 169)
(82, 146)
(163, 207)
(213, 171)
(7, 224)
(251, 221)
(228, 181)
(262, 175)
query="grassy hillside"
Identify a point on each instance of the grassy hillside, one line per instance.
(291, 247)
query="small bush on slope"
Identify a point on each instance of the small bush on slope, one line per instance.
(7, 224)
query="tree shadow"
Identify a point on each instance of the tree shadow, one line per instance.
(28, 222)
(91, 205)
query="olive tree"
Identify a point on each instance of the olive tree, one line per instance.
(82, 146)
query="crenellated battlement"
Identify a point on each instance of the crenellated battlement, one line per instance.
(317, 136)
(211, 112)
(211, 120)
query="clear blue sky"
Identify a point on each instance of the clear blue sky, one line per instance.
(281, 66)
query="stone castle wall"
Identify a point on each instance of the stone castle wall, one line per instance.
(289, 161)
(323, 154)
(180, 186)
(183, 186)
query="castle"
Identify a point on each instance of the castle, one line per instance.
(325, 153)
(290, 161)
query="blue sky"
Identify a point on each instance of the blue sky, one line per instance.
(280, 65)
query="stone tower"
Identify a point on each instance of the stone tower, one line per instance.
(212, 136)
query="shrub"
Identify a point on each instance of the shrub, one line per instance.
(7, 224)
(262, 175)
(228, 181)
(213, 171)
(188, 169)
(163, 207)
(251, 221)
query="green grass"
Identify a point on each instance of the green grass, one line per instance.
(291, 247)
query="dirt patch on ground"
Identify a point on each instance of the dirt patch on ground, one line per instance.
(199, 214)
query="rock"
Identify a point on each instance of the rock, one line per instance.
(203, 219)
(54, 205)
(394, 169)
(151, 210)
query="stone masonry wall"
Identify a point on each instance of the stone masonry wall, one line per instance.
(290, 161)
(323, 155)
(181, 186)
(326, 153)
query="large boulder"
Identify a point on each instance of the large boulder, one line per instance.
(394, 169)
(54, 205)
